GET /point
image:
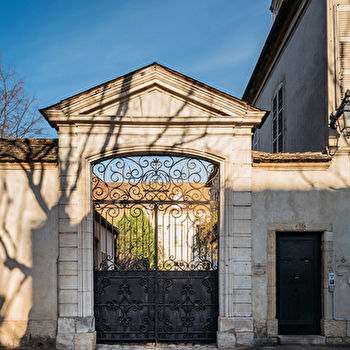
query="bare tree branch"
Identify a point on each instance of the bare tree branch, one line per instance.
(18, 110)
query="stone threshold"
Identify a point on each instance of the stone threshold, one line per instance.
(301, 340)
(157, 346)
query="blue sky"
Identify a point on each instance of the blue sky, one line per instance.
(65, 46)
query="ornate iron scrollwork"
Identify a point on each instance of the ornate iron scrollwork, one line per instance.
(160, 280)
(162, 211)
(164, 178)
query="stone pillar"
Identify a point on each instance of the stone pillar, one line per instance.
(76, 325)
(272, 322)
(76, 333)
(235, 322)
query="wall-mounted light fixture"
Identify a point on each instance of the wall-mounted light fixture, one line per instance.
(342, 115)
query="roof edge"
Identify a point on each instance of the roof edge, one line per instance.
(307, 157)
(123, 82)
(193, 81)
(28, 150)
(276, 36)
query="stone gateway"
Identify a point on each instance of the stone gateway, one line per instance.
(168, 210)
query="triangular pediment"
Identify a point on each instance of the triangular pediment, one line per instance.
(154, 101)
(148, 93)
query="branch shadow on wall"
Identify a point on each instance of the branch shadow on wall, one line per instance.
(25, 210)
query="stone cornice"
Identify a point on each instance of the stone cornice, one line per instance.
(76, 119)
(290, 161)
(307, 157)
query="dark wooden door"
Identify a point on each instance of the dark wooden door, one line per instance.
(298, 283)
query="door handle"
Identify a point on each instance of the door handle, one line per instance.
(296, 275)
(306, 258)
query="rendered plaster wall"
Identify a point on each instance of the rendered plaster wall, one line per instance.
(301, 198)
(28, 254)
(302, 68)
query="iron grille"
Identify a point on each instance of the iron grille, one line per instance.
(159, 281)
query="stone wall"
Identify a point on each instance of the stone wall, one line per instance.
(28, 242)
(292, 195)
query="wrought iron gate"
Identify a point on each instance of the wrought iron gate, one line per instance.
(157, 280)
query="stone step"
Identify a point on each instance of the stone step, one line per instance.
(158, 346)
(302, 340)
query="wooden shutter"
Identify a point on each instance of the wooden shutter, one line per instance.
(343, 54)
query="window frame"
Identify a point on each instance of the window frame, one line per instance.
(256, 140)
(278, 110)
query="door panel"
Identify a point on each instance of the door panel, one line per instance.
(187, 308)
(141, 305)
(298, 283)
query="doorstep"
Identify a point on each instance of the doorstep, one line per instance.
(302, 339)
(157, 346)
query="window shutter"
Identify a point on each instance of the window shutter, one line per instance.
(343, 56)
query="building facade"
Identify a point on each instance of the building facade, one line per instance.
(278, 220)
(301, 76)
(264, 200)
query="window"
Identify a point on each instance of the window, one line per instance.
(278, 120)
(342, 40)
(256, 138)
